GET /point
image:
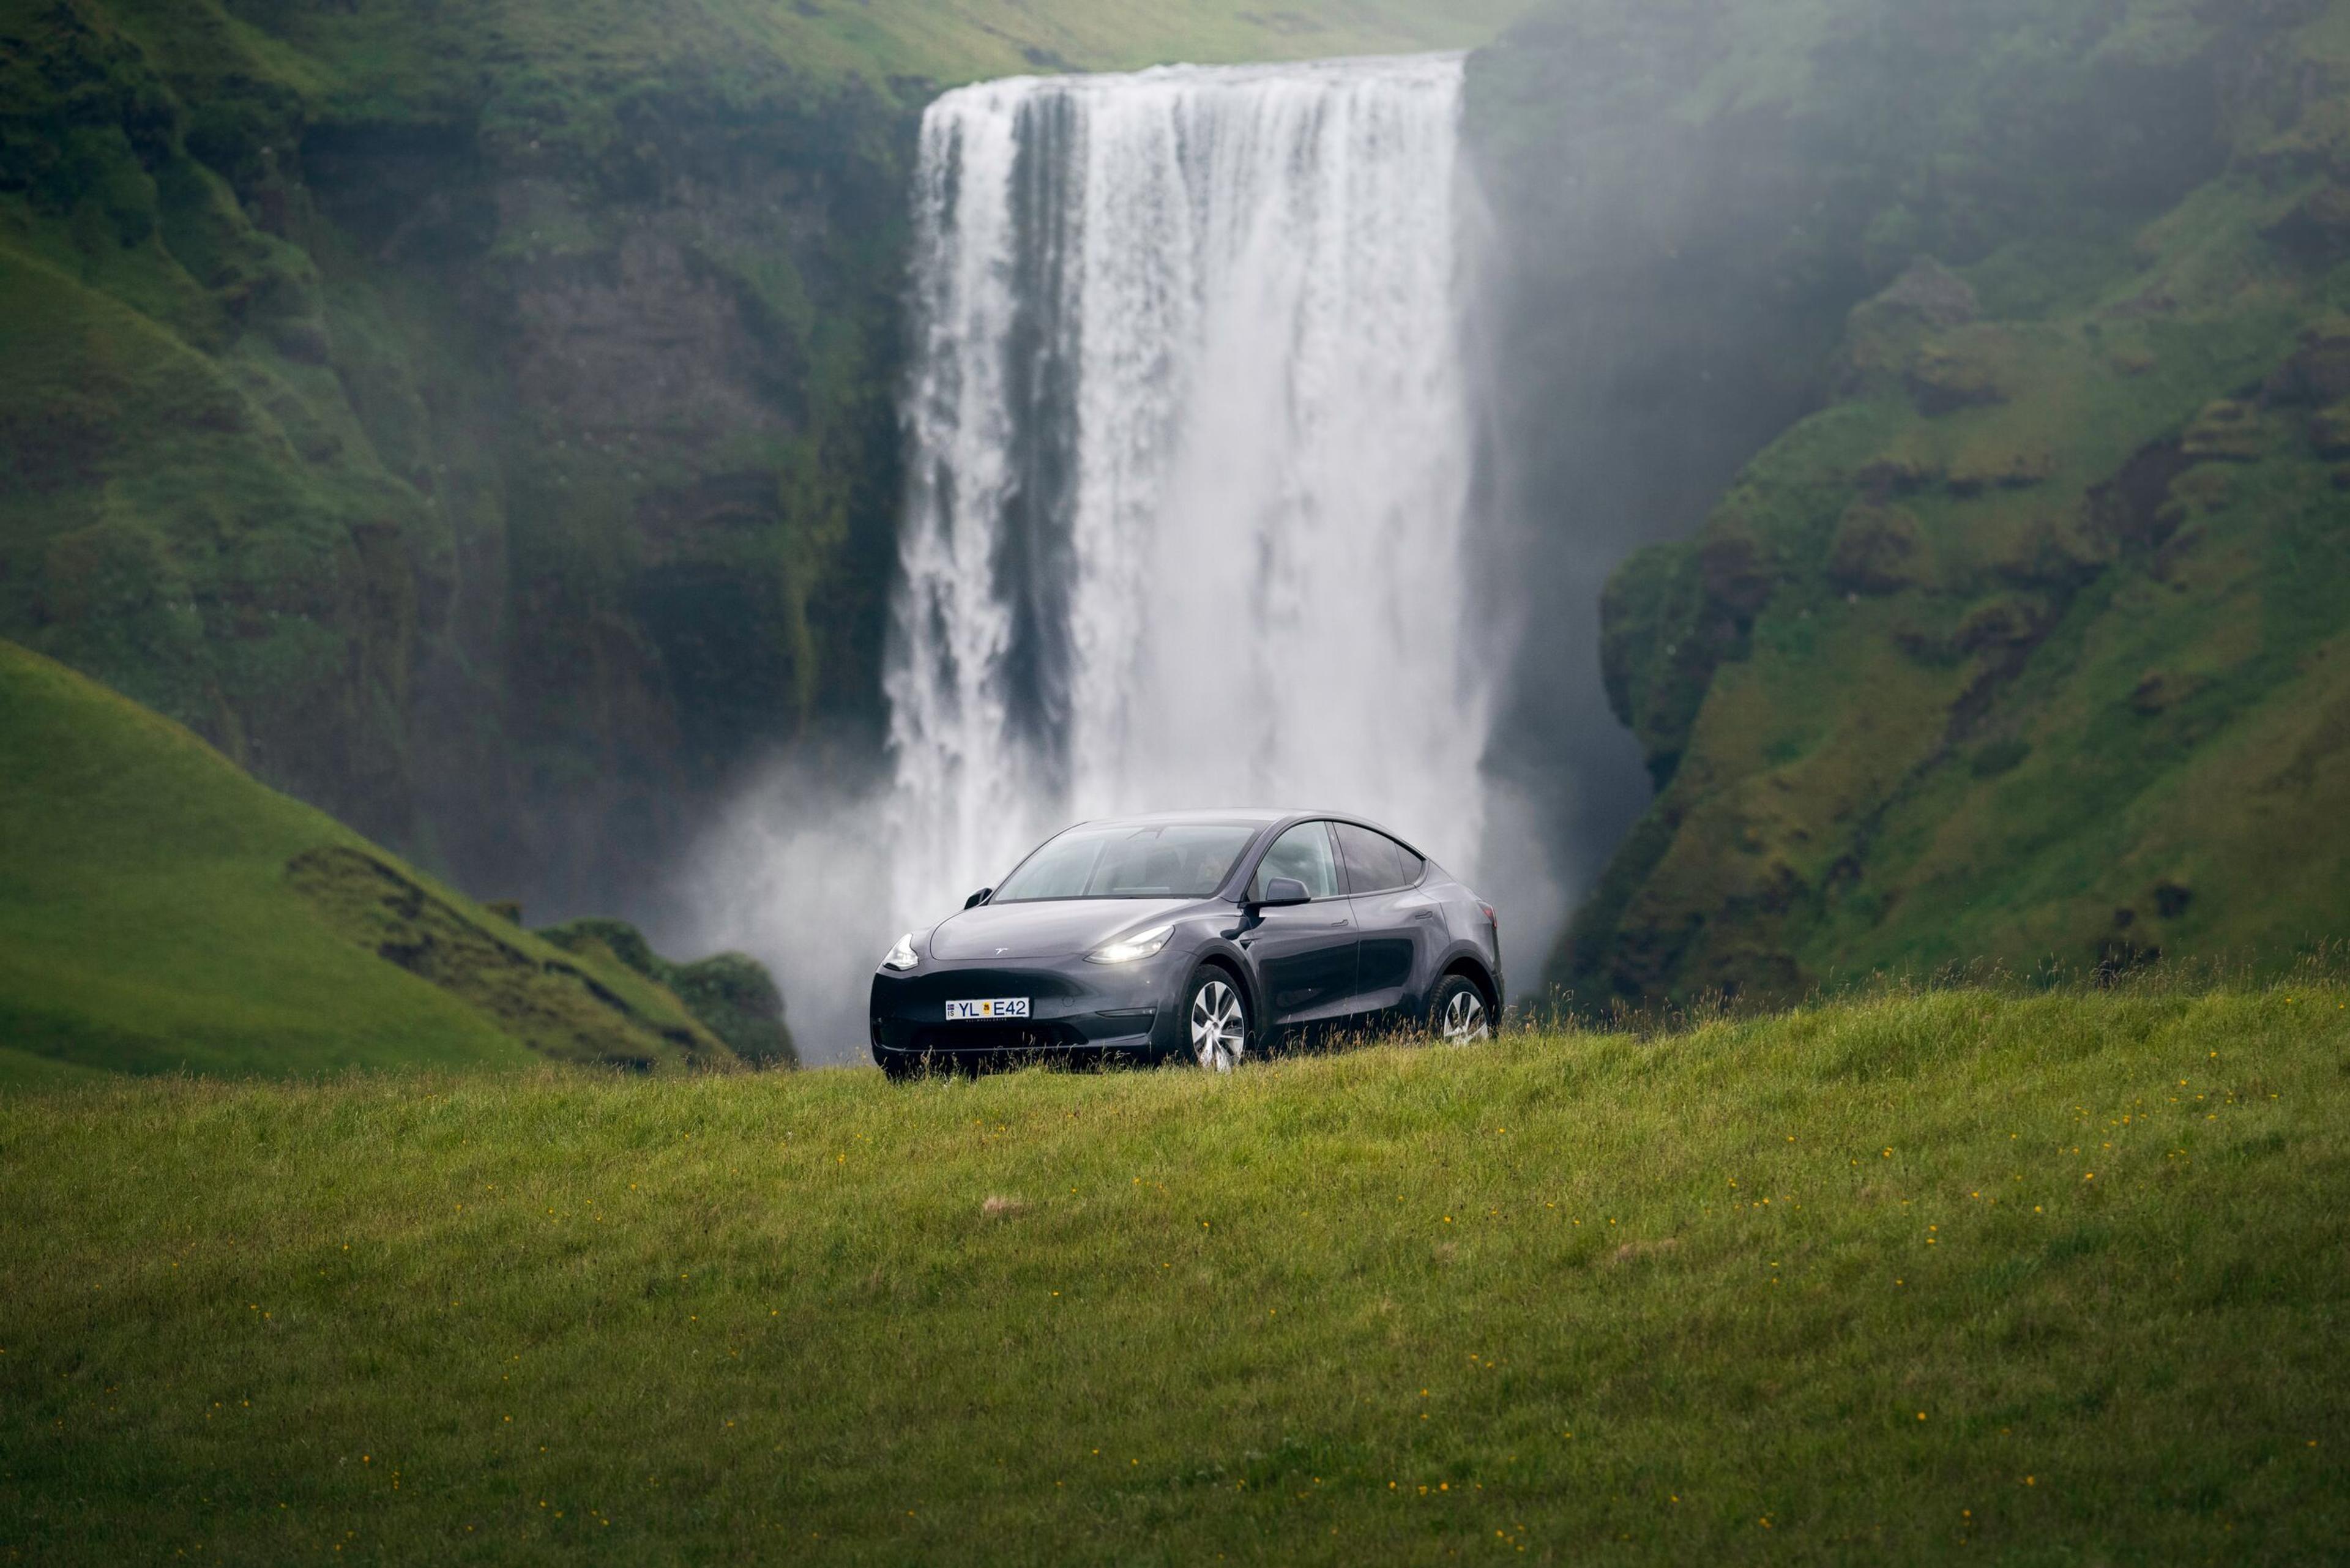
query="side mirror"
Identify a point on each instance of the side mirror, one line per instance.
(976, 899)
(1282, 892)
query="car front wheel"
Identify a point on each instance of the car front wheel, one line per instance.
(1216, 1021)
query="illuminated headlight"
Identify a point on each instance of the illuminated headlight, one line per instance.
(1141, 945)
(902, 956)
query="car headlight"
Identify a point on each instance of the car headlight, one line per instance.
(1140, 945)
(902, 956)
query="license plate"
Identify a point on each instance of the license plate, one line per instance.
(999, 1007)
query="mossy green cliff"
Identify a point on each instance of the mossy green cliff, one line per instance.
(2027, 637)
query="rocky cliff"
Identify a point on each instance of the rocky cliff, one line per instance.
(2009, 620)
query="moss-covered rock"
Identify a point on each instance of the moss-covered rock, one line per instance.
(2225, 431)
(1878, 549)
(734, 996)
(2329, 431)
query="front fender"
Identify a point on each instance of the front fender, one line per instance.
(1229, 954)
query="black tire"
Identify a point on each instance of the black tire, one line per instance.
(900, 1068)
(1214, 1022)
(1458, 1013)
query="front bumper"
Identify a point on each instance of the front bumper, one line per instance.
(1076, 1009)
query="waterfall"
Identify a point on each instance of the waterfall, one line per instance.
(1188, 462)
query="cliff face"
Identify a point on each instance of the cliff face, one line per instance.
(495, 480)
(666, 416)
(2021, 637)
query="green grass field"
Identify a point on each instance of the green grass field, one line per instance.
(1947, 1276)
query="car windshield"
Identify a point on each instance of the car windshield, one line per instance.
(1168, 860)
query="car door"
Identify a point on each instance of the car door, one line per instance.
(1399, 928)
(1305, 954)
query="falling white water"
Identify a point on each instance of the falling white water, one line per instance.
(1188, 462)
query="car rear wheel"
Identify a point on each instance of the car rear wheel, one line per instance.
(1457, 1014)
(1215, 1021)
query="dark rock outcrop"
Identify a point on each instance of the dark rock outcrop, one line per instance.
(733, 996)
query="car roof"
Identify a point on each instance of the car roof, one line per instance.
(1252, 816)
(1255, 816)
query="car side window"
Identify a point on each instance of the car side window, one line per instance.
(1376, 863)
(1303, 854)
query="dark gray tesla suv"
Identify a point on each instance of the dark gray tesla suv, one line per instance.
(1205, 935)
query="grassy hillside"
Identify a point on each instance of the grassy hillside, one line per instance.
(161, 911)
(2024, 638)
(2043, 1280)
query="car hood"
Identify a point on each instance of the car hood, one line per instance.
(1055, 928)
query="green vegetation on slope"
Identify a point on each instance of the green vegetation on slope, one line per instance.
(161, 911)
(2030, 646)
(2045, 1280)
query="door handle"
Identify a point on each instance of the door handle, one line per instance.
(1340, 925)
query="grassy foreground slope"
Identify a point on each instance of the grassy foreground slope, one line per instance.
(160, 910)
(2041, 1279)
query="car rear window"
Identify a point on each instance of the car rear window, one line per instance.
(1376, 863)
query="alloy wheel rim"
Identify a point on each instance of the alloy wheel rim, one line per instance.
(1219, 1027)
(1464, 1018)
